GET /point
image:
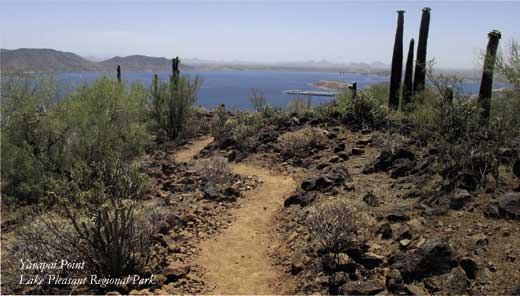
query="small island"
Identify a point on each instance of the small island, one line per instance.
(330, 85)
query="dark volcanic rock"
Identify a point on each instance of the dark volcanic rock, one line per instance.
(301, 198)
(370, 287)
(394, 280)
(210, 192)
(384, 161)
(516, 168)
(343, 155)
(358, 151)
(403, 153)
(459, 199)
(470, 267)
(402, 167)
(434, 257)
(509, 206)
(339, 147)
(371, 199)
(324, 182)
(453, 283)
(371, 261)
(396, 216)
(385, 230)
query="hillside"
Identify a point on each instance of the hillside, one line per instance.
(43, 60)
(50, 60)
(137, 62)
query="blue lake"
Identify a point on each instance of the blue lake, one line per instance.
(233, 87)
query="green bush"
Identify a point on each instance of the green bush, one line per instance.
(171, 104)
(453, 127)
(365, 110)
(49, 141)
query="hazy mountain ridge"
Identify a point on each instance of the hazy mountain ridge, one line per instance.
(50, 60)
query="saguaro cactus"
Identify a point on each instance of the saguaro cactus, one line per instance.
(420, 64)
(353, 90)
(118, 73)
(408, 75)
(175, 70)
(486, 84)
(397, 63)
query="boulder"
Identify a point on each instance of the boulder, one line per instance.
(434, 257)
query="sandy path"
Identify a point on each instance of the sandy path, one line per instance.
(237, 260)
(188, 152)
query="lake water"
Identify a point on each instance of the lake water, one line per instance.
(233, 87)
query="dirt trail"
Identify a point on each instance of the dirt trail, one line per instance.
(237, 260)
(187, 153)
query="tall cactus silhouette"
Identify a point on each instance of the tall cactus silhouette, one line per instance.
(420, 64)
(397, 63)
(175, 71)
(486, 84)
(118, 73)
(408, 75)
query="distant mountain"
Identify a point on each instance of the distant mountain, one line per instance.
(43, 60)
(138, 63)
(50, 60)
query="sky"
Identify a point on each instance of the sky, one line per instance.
(257, 31)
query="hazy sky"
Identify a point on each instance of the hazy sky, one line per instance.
(262, 31)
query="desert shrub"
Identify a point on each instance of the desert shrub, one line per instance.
(214, 168)
(171, 104)
(365, 110)
(338, 225)
(299, 105)
(219, 122)
(258, 100)
(47, 141)
(241, 128)
(302, 141)
(113, 241)
(244, 127)
(466, 147)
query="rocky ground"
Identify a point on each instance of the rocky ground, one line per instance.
(426, 240)
(244, 230)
